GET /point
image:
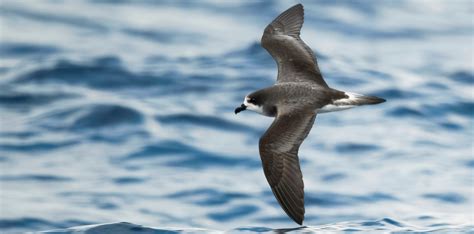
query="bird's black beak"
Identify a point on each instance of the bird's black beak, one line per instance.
(240, 108)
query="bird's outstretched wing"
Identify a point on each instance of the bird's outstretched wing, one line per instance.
(279, 153)
(295, 60)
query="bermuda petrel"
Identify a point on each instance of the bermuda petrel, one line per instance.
(299, 93)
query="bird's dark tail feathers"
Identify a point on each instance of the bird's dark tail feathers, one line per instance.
(355, 99)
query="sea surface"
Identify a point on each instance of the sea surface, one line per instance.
(119, 114)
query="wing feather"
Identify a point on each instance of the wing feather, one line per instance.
(295, 60)
(281, 163)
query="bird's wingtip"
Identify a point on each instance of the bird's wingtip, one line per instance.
(298, 220)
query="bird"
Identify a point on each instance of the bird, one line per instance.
(299, 94)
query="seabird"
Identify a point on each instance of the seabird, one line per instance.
(298, 95)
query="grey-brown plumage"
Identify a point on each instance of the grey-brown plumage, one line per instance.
(295, 60)
(294, 100)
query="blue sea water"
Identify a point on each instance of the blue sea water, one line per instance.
(122, 111)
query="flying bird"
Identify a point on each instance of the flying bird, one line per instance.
(299, 94)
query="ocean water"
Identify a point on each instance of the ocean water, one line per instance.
(119, 115)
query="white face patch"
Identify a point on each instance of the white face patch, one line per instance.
(253, 107)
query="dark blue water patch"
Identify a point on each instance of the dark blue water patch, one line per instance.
(108, 73)
(37, 224)
(392, 222)
(165, 36)
(173, 82)
(128, 180)
(351, 230)
(94, 117)
(393, 93)
(463, 77)
(119, 228)
(253, 229)
(254, 55)
(450, 126)
(104, 205)
(208, 196)
(16, 49)
(37, 178)
(94, 195)
(163, 148)
(103, 73)
(19, 135)
(469, 163)
(453, 198)
(107, 115)
(463, 108)
(251, 83)
(116, 137)
(334, 199)
(372, 223)
(382, 223)
(36, 146)
(25, 101)
(207, 62)
(403, 111)
(189, 157)
(108, 61)
(233, 213)
(425, 217)
(211, 160)
(333, 177)
(25, 223)
(355, 148)
(54, 17)
(203, 121)
(439, 224)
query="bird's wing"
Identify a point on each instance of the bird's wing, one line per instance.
(296, 61)
(279, 153)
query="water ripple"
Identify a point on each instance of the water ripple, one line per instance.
(446, 197)
(334, 199)
(203, 121)
(233, 213)
(207, 196)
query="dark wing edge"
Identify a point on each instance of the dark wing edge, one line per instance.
(279, 154)
(296, 61)
(290, 21)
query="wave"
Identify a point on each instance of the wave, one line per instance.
(380, 225)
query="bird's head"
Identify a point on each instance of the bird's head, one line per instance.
(257, 102)
(250, 103)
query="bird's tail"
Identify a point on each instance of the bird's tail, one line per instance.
(355, 99)
(349, 101)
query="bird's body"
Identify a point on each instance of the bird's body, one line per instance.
(299, 94)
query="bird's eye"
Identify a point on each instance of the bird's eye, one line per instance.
(252, 100)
